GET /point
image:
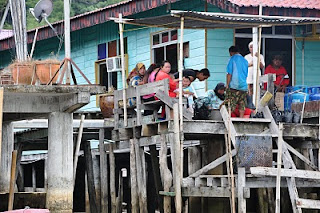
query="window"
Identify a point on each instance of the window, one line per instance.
(107, 50)
(165, 47)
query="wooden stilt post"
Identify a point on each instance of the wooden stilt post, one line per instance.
(103, 173)
(112, 178)
(90, 177)
(194, 164)
(12, 179)
(133, 178)
(140, 178)
(156, 175)
(241, 185)
(166, 175)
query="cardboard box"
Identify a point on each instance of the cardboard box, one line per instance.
(279, 100)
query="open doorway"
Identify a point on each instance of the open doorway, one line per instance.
(269, 48)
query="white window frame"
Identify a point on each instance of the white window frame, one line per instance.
(165, 44)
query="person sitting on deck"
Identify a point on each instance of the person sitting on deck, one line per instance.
(149, 77)
(164, 74)
(135, 78)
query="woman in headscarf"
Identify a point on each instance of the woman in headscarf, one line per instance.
(135, 77)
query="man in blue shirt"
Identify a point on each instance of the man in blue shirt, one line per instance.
(237, 72)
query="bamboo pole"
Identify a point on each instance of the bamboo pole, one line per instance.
(4, 16)
(33, 46)
(77, 149)
(233, 206)
(279, 160)
(124, 95)
(257, 85)
(1, 117)
(12, 179)
(177, 164)
(226, 139)
(67, 38)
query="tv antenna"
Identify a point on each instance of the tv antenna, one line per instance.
(42, 10)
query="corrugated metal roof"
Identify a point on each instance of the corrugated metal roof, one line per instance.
(301, 4)
(203, 20)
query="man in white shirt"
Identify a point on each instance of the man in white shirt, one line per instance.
(250, 58)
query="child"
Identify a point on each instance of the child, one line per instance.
(187, 92)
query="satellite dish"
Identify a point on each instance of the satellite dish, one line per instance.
(42, 10)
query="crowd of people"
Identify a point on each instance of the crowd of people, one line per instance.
(236, 93)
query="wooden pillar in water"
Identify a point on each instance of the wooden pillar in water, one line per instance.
(142, 190)
(194, 164)
(166, 175)
(156, 175)
(112, 178)
(133, 178)
(241, 184)
(103, 174)
(90, 176)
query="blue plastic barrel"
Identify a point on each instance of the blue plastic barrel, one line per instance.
(315, 96)
(287, 98)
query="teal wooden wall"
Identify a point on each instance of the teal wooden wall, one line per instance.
(311, 63)
(218, 43)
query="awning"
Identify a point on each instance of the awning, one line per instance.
(211, 20)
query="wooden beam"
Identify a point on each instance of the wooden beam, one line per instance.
(296, 173)
(300, 156)
(212, 165)
(210, 192)
(308, 204)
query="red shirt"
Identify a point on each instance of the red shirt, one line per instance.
(172, 84)
(280, 73)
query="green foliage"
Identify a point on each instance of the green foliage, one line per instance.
(77, 7)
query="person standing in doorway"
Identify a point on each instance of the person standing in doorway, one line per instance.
(282, 78)
(236, 87)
